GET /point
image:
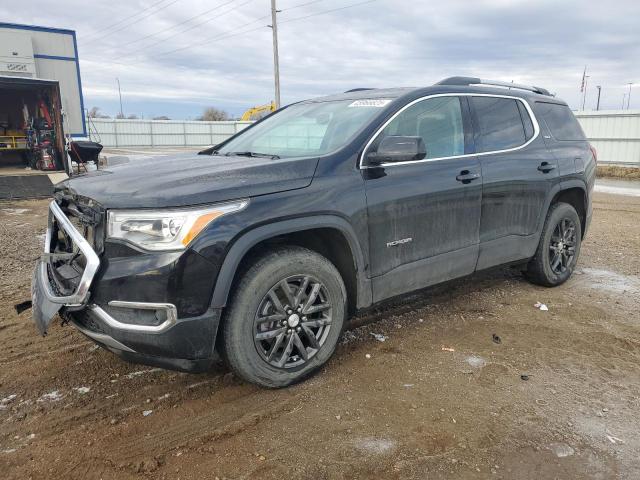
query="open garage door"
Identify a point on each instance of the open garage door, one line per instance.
(32, 139)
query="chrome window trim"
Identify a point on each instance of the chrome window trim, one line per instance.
(93, 262)
(534, 120)
(172, 316)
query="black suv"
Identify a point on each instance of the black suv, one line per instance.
(261, 247)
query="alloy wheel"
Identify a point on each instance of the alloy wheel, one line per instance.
(562, 247)
(293, 321)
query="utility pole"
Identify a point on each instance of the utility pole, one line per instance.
(598, 102)
(276, 60)
(629, 95)
(120, 95)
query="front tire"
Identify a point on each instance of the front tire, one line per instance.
(285, 319)
(559, 247)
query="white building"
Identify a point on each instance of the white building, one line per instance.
(51, 54)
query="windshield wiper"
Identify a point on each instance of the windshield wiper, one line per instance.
(253, 155)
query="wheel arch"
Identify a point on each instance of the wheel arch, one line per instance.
(332, 237)
(575, 194)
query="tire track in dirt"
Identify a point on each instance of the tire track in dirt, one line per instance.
(190, 432)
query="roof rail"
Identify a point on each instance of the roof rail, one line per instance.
(494, 83)
(361, 89)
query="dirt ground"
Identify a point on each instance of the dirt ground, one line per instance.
(558, 397)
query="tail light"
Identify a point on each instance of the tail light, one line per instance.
(594, 152)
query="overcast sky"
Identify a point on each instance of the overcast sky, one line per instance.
(179, 56)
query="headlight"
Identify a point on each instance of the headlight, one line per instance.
(171, 229)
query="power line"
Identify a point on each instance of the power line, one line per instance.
(229, 34)
(221, 36)
(131, 23)
(207, 21)
(234, 33)
(127, 18)
(301, 5)
(162, 40)
(181, 23)
(328, 11)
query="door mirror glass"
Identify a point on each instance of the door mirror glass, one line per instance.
(397, 148)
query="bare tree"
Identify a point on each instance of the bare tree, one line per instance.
(96, 113)
(212, 114)
(133, 116)
(161, 117)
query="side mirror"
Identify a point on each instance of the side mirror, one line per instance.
(397, 148)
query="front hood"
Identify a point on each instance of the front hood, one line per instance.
(190, 179)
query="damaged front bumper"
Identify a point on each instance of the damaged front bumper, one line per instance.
(142, 332)
(46, 301)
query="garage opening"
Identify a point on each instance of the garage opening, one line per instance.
(31, 137)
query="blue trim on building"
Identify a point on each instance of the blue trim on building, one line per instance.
(35, 28)
(54, 57)
(82, 112)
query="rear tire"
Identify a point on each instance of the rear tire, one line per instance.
(285, 318)
(558, 249)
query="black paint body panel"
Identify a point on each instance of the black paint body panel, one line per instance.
(455, 227)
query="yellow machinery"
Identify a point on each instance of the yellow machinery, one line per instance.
(256, 113)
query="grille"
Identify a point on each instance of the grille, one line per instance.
(67, 263)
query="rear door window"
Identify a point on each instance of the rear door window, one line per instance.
(499, 123)
(561, 121)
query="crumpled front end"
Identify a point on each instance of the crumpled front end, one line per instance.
(139, 305)
(63, 275)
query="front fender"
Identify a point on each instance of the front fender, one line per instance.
(244, 243)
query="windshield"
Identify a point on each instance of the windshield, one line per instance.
(305, 129)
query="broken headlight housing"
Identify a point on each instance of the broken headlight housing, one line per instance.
(170, 229)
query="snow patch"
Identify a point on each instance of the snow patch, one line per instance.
(51, 397)
(476, 361)
(376, 446)
(6, 401)
(142, 372)
(561, 450)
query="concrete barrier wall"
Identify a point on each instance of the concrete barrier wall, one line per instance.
(614, 133)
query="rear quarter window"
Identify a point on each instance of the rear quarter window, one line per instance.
(526, 121)
(499, 122)
(561, 121)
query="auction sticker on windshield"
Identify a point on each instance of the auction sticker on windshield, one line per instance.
(371, 102)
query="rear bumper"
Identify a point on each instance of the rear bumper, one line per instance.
(188, 345)
(589, 214)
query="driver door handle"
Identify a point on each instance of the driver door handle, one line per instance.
(467, 177)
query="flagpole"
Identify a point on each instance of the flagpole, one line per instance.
(583, 86)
